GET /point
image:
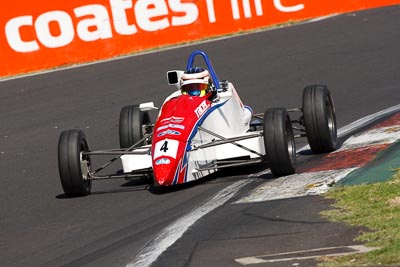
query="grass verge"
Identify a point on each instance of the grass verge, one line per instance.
(376, 206)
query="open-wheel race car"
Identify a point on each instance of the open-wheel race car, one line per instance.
(201, 128)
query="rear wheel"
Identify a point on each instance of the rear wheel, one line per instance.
(279, 142)
(319, 118)
(73, 165)
(133, 124)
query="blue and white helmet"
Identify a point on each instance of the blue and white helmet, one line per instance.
(195, 82)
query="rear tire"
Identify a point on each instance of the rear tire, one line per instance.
(279, 142)
(131, 123)
(319, 118)
(73, 166)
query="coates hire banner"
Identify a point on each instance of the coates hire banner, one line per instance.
(40, 34)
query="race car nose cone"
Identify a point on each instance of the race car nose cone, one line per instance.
(164, 174)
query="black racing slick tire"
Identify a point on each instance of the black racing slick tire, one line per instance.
(132, 122)
(319, 118)
(279, 142)
(73, 166)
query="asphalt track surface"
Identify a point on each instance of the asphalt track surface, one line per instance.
(356, 54)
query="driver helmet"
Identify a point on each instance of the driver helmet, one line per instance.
(195, 81)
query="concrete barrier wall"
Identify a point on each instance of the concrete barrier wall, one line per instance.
(41, 34)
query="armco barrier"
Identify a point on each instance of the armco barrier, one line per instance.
(40, 34)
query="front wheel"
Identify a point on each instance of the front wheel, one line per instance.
(319, 118)
(73, 165)
(279, 142)
(133, 123)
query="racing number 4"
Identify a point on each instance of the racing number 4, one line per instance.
(164, 147)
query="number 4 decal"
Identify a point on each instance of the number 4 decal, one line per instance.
(164, 147)
(167, 148)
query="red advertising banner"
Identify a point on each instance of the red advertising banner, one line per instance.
(44, 34)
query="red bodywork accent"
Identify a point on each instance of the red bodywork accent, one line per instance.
(177, 121)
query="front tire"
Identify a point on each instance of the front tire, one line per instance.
(132, 122)
(319, 118)
(279, 142)
(74, 167)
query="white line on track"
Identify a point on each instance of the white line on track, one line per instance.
(370, 118)
(169, 235)
(301, 255)
(323, 17)
(360, 123)
(175, 230)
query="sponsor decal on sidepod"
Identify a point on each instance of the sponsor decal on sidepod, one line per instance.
(163, 161)
(171, 132)
(178, 126)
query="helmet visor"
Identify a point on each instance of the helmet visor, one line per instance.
(195, 89)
